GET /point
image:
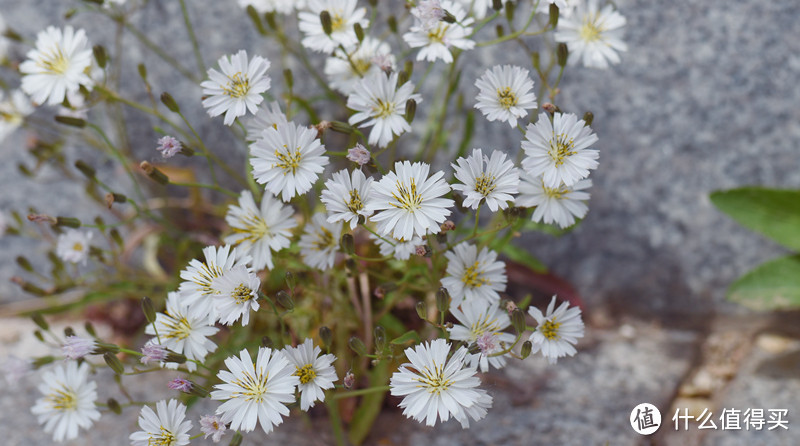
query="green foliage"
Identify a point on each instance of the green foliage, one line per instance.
(774, 285)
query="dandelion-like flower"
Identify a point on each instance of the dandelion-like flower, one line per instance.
(319, 244)
(434, 387)
(345, 197)
(73, 246)
(474, 275)
(259, 232)
(212, 425)
(344, 15)
(76, 347)
(196, 288)
(505, 94)
(401, 250)
(410, 201)
(379, 102)
(344, 70)
(238, 88)
(557, 331)
(436, 41)
(237, 295)
(483, 324)
(494, 180)
(560, 205)
(69, 401)
(316, 372)
(59, 64)
(255, 393)
(288, 159)
(593, 35)
(166, 426)
(183, 331)
(267, 116)
(168, 146)
(13, 111)
(559, 150)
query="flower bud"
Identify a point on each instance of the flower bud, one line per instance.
(24, 264)
(115, 235)
(148, 309)
(70, 121)
(553, 15)
(525, 351)
(327, 23)
(380, 338)
(499, 30)
(266, 341)
(357, 345)
(114, 363)
(256, 19)
(359, 32)
(422, 310)
(87, 170)
(169, 101)
(443, 300)
(402, 77)
(285, 300)
(518, 320)
(549, 107)
(68, 331)
(341, 127)
(142, 68)
(411, 110)
(104, 347)
(373, 3)
(100, 55)
(288, 78)
(347, 243)
(497, 5)
(68, 222)
(112, 198)
(186, 150)
(177, 358)
(114, 406)
(325, 337)
(43, 361)
(200, 391)
(448, 17)
(510, 12)
(563, 53)
(588, 118)
(349, 379)
(270, 18)
(237, 439)
(535, 60)
(392, 22)
(38, 335)
(89, 327)
(153, 173)
(291, 282)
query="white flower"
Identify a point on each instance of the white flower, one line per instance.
(238, 88)
(279, 6)
(258, 232)
(379, 102)
(401, 250)
(288, 159)
(560, 205)
(593, 35)
(316, 372)
(320, 242)
(166, 426)
(212, 425)
(557, 331)
(410, 202)
(76, 347)
(429, 13)
(492, 179)
(59, 64)
(344, 16)
(472, 275)
(482, 323)
(255, 392)
(183, 330)
(505, 94)
(478, 8)
(345, 196)
(359, 155)
(168, 146)
(434, 387)
(558, 150)
(68, 402)
(73, 246)
(4, 42)
(237, 295)
(196, 288)
(437, 41)
(344, 73)
(266, 116)
(13, 111)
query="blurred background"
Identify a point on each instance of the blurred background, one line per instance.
(705, 99)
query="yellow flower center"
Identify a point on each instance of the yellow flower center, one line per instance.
(436, 35)
(78, 246)
(591, 31)
(165, 438)
(325, 239)
(306, 373)
(506, 97)
(205, 276)
(555, 192)
(407, 197)
(549, 329)
(561, 148)
(337, 22)
(484, 184)
(177, 328)
(434, 380)
(238, 86)
(255, 228)
(383, 109)
(355, 204)
(289, 161)
(63, 399)
(472, 277)
(56, 62)
(242, 294)
(254, 387)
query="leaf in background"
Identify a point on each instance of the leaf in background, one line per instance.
(770, 286)
(772, 212)
(405, 337)
(522, 256)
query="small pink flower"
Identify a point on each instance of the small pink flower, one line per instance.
(168, 146)
(76, 347)
(212, 425)
(153, 353)
(182, 384)
(359, 155)
(486, 342)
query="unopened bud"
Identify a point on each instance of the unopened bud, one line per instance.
(89, 327)
(553, 15)
(341, 127)
(71, 121)
(148, 309)
(422, 310)
(153, 173)
(499, 30)
(270, 18)
(562, 53)
(549, 108)
(256, 19)
(285, 300)
(289, 78)
(448, 225)
(359, 31)
(200, 391)
(266, 341)
(347, 243)
(525, 351)
(87, 170)
(357, 345)
(510, 306)
(38, 335)
(392, 22)
(402, 77)
(176, 358)
(237, 439)
(349, 380)
(588, 118)
(448, 17)
(43, 361)
(422, 251)
(100, 55)
(411, 110)
(114, 363)
(518, 320)
(112, 198)
(68, 222)
(535, 60)
(115, 235)
(105, 347)
(169, 101)
(497, 5)
(39, 321)
(380, 338)
(443, 300)
(510, 12)
(114, 406)
(24, 264)
(327, 23)
(291, 282)
(68, 331)
(142, 68)
(325, 337)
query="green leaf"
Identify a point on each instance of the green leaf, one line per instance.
(772, 212)
(522, 256)
(771, 286)
(405, 337)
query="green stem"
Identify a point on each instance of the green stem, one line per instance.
(157, 49)
(511, 36)
(208, 186)
(197, 54)
(359, 392)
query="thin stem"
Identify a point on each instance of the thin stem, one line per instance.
(197, 54)
(157, 49)
(511, 36)
(208, 186)
(360, 392)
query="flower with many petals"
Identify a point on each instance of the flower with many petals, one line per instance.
(557, 330)
(505, 94)
(379, 102)
(237, 295)
(345, 69)
(435, 42)
(482, 324)
(559, 205)
(69, 401)
(166, 426)
(494, 180)
(319, 244)
(269, 115)
(344, 15)
(197, 277)
(13, 111)
(474, 275)
(345, 197)
(73, 246)
(59, 64)
(259, 232)
(212, 425)
(238, 88)
(593, 35)
(315, 371)
(76, 347)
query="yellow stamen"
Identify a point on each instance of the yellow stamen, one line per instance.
(306, 373)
